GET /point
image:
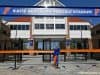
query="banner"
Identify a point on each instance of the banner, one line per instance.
(51, 11)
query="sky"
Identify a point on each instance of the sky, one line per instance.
(67, 3)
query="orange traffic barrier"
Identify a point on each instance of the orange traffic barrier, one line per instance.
(81, 51)
(23, 51)
(49, 51)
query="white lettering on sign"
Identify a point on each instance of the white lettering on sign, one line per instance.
(51, 11)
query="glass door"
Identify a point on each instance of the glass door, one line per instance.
(46, 46)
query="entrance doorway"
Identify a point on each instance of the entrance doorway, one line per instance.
(49, 44)
(46, 46)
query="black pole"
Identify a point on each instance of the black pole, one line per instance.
(16, 45)
(85, 54)
(64, 57)
(15, 55)
(15, 62)
(50, 48)
(65, 53)
(43, 53)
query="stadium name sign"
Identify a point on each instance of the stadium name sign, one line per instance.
(50, 11)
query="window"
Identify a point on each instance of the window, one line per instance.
(60, 26)
(36, 26)
(75, 27)
(71, 27)
(39, 17)
(11, 27)
(49, 26)
(79, 27)
(23, 27)
(14, 27)
(19, 27)
(39, 26)
(84, 27)
(27, 27)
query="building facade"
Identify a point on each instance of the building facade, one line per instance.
(46, 33)
(96, 41)
(4, 36)
(96, 36)
(6, 43)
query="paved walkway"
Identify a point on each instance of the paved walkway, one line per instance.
(35, 66)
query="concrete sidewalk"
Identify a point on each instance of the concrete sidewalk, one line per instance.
(35, 66)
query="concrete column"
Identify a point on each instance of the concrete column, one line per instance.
(67, 48)
(67, 44)
(33, 43)
(90, 47)
(32, 46)
(90, 43)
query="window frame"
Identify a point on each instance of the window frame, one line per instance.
(39, 26)
(59, 26)
(49, 26)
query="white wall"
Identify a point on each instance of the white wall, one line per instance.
(45, 20)
(80, 34)
(72, 33)
(45, 31)
(79, 23)
(50, 32)
(17, 23)
(20, 34)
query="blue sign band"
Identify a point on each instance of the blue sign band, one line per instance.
(40, 11)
